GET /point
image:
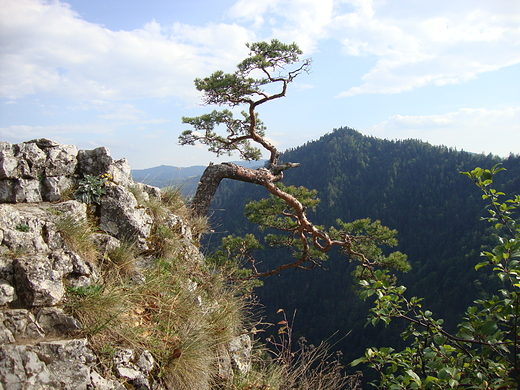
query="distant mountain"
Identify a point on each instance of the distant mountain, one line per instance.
(186, 178)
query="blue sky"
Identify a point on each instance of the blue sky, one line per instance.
(119, 73)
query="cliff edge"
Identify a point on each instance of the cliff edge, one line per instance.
(102, 284)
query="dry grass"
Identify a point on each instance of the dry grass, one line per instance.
(182, 313)
(76, 232)
(181, 325)
(121, 263)
(306, 367)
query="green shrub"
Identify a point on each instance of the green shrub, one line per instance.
(91, 188)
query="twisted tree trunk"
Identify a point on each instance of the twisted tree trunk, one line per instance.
(214, 173)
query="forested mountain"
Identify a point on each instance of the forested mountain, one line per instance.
(410, 186)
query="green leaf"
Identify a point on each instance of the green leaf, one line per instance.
(480, 265)
(489, 327)
(429, 379)
(357, 361)
(414, 376)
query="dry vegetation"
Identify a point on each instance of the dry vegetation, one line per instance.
(182, 312)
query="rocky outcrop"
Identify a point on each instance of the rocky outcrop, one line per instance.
(42, 170)
(39, 347)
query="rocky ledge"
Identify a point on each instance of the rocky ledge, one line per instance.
(39, 348)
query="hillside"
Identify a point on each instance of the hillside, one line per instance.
(103, 287)
(410, 186)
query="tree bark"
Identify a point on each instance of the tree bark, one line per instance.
(214, 173)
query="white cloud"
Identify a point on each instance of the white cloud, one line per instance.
(474, 130)
(59, 133)
(47, 49)
(423, 43)
(413, 43)
(301, 21)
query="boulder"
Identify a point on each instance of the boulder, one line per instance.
(39, 280)
(54, 321)
(61, 364)
(122, 218)
(7, 292)
(134, 367)
(8, 162)
(98, 161)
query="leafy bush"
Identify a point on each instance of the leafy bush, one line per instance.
(485, 352)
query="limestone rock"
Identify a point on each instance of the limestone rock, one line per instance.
(35, 170)
(22, 324)
(98, 161)
(121, 217)
(135, 370)
(39, 260)
(55, 186)
(8, 161)
(105, 242)
(27, 190)
(7, 292)
(148, 191)
(240, 352)
(39, 279)
(31, 160)
(54, 321)
(7, 190)
(65, 364)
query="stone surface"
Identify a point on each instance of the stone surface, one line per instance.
(8, 162)
(38, 263)
(134, 369)
(53, 321)
(121, 216)
(22, 324)
(98, 161)
(7, 292)
(65, 364)
(240, 352)
(39, 280)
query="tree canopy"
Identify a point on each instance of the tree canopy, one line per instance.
(267, 66)
(286, 210)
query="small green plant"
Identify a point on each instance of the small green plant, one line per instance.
(91, 188)
(84, 291)
(23, 227)
(54, 211)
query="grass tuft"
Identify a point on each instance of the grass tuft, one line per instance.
(181, 312)
(76, 232)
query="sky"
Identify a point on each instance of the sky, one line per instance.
(119, 73)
